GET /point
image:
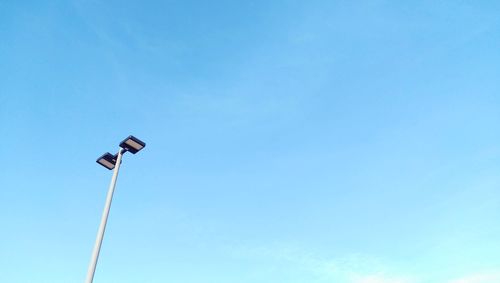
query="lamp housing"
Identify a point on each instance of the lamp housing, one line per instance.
(132, 144)
(107, 160)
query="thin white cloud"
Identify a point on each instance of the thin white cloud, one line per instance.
(362, 269)
(355, 268)
(487, 277)
(378, 278)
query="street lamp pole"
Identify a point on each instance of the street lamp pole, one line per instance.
(111, 162)
(104, 219)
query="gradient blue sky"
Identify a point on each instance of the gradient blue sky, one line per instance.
(287, 141)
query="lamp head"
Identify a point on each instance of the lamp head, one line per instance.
(132, 144)
(107, 160)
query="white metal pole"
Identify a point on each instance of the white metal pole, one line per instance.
(104, 220)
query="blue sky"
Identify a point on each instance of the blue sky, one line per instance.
(287, 141)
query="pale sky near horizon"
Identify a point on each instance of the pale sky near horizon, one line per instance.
(287, 141)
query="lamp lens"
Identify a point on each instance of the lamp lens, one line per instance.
(134, 144)
(106, 163)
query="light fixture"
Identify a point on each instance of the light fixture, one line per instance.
(132, 144)
(110, 161)
(107, 160)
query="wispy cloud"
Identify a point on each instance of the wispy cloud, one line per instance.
(486, 277)
(378, 278)
(357, 268)
(354, 268)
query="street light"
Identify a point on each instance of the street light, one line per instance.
(110, 162)
(132, 144)
(107, 160)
